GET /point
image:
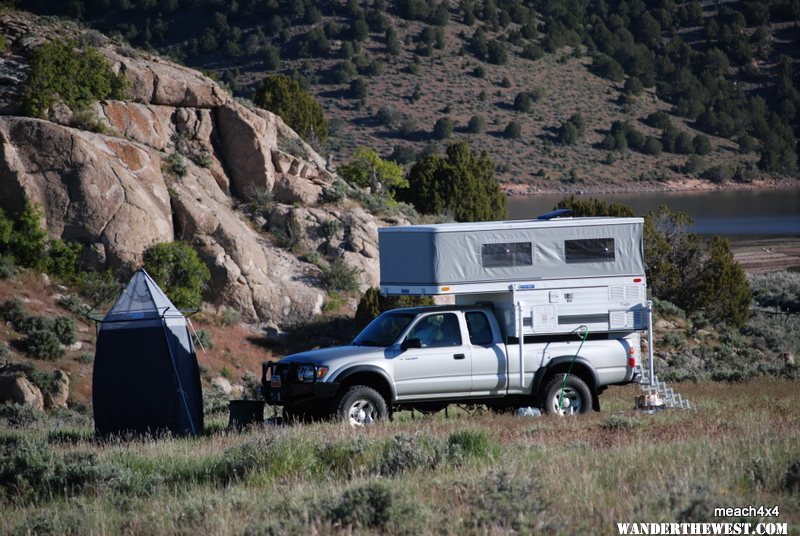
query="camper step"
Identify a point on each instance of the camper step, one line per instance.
(658, 393)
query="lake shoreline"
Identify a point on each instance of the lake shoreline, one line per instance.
(687, 186)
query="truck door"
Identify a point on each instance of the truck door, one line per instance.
(489, 367)
(441, 364)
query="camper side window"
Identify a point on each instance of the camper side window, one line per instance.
(507, 254)
(589, 250)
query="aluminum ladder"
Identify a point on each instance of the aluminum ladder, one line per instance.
(649, 382)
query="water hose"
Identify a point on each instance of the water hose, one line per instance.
(569, 370)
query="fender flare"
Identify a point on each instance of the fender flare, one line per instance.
(342, 376)
(545, 371)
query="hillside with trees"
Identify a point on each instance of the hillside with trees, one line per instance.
(562, 95)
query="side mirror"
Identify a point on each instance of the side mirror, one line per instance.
(410, 343)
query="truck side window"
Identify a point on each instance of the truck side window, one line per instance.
(480, 332)
(437, 330)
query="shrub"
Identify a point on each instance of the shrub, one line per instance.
(202, 337)
(43, 344)
(336, 192)
(28, 241)
(701, 144)
(532, 51)
(496, 52)
(366, 506)
(7, 269)
(62, 258)
(471, 443)
(571, 130)
(513, 130)
(176, 165)
(373, 303)
(329, 229)
(340, 276)
(284, 96)
(443, 128)
(64, 330)
(659, 119)
(367, 168)
(523, 102)
(409, 453)
(462, 183)
(98, 287)
(230, 317)
(476, 124)
(358, 89)
(215, 401)
(289, 236)
(17, 416)
(178, 270)
(78, 78)
(13, 311)
(652, 146)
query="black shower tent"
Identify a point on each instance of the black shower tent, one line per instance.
(146, 378)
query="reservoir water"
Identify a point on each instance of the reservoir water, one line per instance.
(734, 214)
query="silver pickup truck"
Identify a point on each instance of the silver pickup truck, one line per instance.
(428, 357)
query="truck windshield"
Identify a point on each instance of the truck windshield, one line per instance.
(384, 330)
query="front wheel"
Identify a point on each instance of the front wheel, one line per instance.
(361, 406)
(567, 398)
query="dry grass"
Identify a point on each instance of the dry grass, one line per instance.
(569, 476)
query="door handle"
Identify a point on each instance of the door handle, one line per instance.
(458, 356)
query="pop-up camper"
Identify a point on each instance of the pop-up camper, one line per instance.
(541, 276)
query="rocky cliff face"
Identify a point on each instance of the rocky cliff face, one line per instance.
(173, 162)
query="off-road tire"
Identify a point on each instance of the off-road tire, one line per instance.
(576, 393)
(360, 405)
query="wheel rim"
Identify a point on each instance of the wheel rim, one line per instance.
(570, 400)
(362, 412)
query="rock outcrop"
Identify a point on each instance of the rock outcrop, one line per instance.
(16, 388)
(58, 394)
(178, 160)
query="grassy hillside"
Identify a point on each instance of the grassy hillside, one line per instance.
(510, 75)
(458, 474)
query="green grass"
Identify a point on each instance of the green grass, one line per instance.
(455, 473)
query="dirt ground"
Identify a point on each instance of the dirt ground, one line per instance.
(759, 256)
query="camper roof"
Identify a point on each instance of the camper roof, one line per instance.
(509, 224)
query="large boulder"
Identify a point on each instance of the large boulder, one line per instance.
(16, 388)
(105, 192)
(264, 283)
(153, 81)
(58, 394)
(245, 141)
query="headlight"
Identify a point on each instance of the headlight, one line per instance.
(305, 373)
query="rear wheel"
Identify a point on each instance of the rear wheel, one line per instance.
(361, 406)
(572, 397)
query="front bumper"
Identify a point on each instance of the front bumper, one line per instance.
(280, 386)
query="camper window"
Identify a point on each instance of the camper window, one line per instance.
(507, 254)
(589, 250)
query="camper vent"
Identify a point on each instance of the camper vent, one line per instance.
(625, 320)
(616, 294)
(629, 293)
(620, 319)
(633, 293)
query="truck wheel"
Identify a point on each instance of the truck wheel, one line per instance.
(576, 397)
(361, 406)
